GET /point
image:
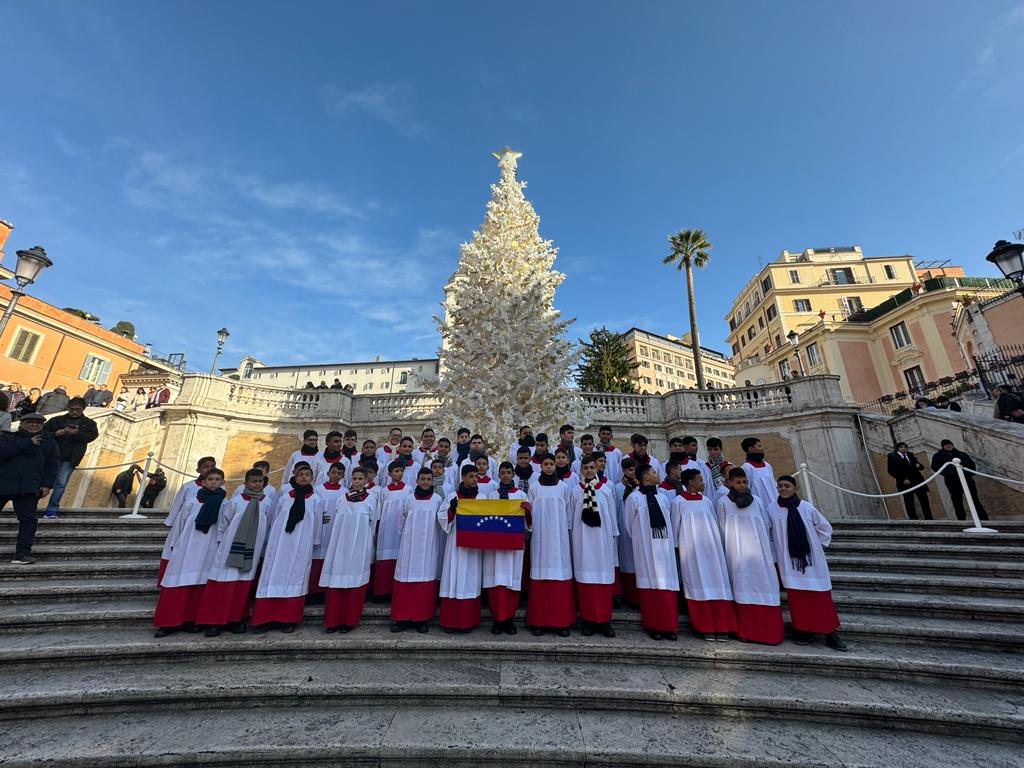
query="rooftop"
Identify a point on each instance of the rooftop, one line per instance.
(325, 366)
(934, 284)
(677, 342)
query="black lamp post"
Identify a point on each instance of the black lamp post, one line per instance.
(1009, 258)
(222, 336)
(31, 261)
(794, 339)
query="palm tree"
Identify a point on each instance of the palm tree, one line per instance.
(690, 248)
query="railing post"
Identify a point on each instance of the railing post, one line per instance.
(978, 527)
(142, 488)
(806, 477)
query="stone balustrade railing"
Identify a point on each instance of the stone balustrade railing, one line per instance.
(260, 400)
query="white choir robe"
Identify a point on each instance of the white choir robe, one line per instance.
(181, 498)
(349, 462)
(296, 457)
(571, 479)
(492, 468)
(594, 551)
(613, 464)
(808, 593)
(269, 493)
(410, 471)
(551, 600)
(487, 486)
(346, 570)
(385, 455)
(321, 464)
(702, 565)
(416, 572)
(762, 484)
(627, 564)
(513, 451)
(654, 463)
(460, 575)
(503, 573)
(657, 575)
(284, 578)
(667, 494)
(702, 467)
(720, 493)
(389, 539)
(424, 457)
(226, 597)
(330, 495)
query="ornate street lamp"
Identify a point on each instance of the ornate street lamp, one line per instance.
(31, 261)
(1009, 257)
(794, 339)
(222, 336)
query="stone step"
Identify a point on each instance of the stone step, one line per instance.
(1015, 525)
(454, 680)
(992, 569)
(933, 537)
(928, 584)
(335, 732)
(95, 647)
(1011, 553)
(92, 522)
(111, 513)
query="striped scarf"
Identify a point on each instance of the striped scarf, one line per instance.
(715, 464)
(243, 547)
(590, 514)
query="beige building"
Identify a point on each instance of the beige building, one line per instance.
(377, 376)
(666, 363)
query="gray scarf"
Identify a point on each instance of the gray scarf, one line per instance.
(243, 546)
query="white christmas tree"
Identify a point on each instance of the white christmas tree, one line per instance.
(505, 359)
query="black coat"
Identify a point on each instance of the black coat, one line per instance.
(902, 471)
(949, 473)
(72, 447)
(24, 466)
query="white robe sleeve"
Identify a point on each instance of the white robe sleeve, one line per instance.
(821, 526)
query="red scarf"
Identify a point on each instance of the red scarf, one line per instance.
(332, 486)
(691, 496)
(483, 479)
(396, 486)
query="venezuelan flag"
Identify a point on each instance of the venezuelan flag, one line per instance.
(490, 523)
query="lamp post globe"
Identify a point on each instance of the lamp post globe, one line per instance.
(222, 336)
(1009, 259)
(31, 261)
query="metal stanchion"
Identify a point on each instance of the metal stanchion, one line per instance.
(134, 515)
(978, 527)
(806, 479)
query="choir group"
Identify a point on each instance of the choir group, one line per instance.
(603, 528)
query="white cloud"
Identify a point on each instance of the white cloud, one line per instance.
(390, 103)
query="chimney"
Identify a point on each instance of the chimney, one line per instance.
(5, 230)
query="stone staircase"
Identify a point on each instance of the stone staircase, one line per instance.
(934, 677)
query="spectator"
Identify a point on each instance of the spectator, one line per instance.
(1008, 405)
(122, 400)
(54, 402)
(322, 385)
(156, 483)
(90, 393)
(102, 397)
(139, 400)
(123, 484)
(5, 416)
(28, 404)
(945, 454)
(163, 395)
(943, 403)
(310, 385)
(153, 398)
(15, 395)
(28, 468)
(72, 431)
(337, 384)
(923, 404)
(905, 469)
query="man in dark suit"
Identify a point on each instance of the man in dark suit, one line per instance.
(946, 453)
(905, 469)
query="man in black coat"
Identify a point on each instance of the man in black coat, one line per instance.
(72, 431)
(945, 454)
(905, 469)
(28, 469)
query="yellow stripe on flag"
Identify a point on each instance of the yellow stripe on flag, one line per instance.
(503, 507)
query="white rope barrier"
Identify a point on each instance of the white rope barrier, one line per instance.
(993, 477)
(109, 466)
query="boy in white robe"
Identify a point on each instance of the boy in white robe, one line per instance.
(387, 452)
(444, 455)
(612, 455)
(640, 455)
(485, 482)
(330, 455)
(586, 449)
(654, 552)
(269, 491)
(563, 467)
(477, 449)
(525, 440)
(349, 453)
(330, 489)
(671, 486)
(550, 604)
(746, 536)
(759, 473)
(195, 544)
(566, 438)
(702, 563)
(414, 601)
(310, 448)
(689, 460)
(503, 568)
(389, 539)
(627, 565)
(409, 465)
(718, 465)
(346, 574)
(524, 472)
(185, 494)
(295, 530)
(601, 463)
(461, 574)
(427, 450)
(540, 450)
(594, 533)
(801, 533)
(242, 528)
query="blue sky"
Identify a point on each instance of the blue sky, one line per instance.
(304, 172)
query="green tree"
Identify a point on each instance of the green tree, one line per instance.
(690, 248)
(81, 313)
(604, 366)
(124, 328)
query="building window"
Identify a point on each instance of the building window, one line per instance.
(691, 377)
(273, 375)
(247, 371)
(784, 369)
(661, 382)
(813, 355)
(760, 323)
(771, 312)
(851, 304)
(914, 378)
(900, 335)
(767, 347)
(657, 367)
(801, 305)
(647, 379)
(403, 377)
(95, 369)
(766, 284)
(794, 276)
(841, 276)
(656, 355)
(778, 341)
(750, 333)
(890, 271)
(367, 385)
(645, 352)
(732, 323)
(743, 341)
(689, 365)
(25, 345)
(735, 349)
(679, 360)
(385, 385)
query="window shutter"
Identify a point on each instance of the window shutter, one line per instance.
(104, 373)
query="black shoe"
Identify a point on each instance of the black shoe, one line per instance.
(238, 628)
(422, 628)
(344, 629)
(707, 637)
(833, 641)
(616, 602)
(261, 629)
(315, 598)
(606, 629)
(510, 628)
(165, 631)
(381, 598)
(400, 626)
(654, 635)
(288, 629)
(669, 635)
(331, 630)
(537, 631)
(588, 629)
(803, 638)
(191, 628)
(496, 628)
(212, 632)
(563, 632)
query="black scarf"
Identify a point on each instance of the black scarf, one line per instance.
(741, 500)
(590, 514)
(305, 450)
(563, 472)
(462, 451)
(628, 486)
(297, 512)
(551, 479)
(211, 501)
(349, 452)
(796, 533)
(504, 490)
(755, 458)
(524, 474)
(361, 495)
(657, 517)
(331, 456)
(465, 492)
(423, 493)
(642, 461)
